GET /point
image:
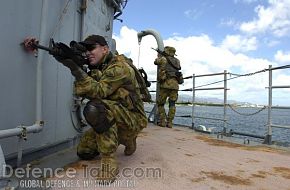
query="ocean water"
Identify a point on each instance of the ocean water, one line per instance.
(254, 124)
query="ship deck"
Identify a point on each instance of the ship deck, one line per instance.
(180, 158)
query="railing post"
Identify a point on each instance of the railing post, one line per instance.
(156, 112)
(268, 138)
(225, 102)
(193, 100)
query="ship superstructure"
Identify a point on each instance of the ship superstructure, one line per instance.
(38, 112)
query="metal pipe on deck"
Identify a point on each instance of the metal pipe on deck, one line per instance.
(10, 132)
(40, 59)
(154, 33)
(83, 9)
(160, 46)
(3, 182)
(35, 128)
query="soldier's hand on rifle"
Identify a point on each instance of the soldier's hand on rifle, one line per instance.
(75, 69)
(61, 52)
(69, 63)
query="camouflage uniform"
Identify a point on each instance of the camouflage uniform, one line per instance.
(168, 85)
(113, 85)
(115, 110)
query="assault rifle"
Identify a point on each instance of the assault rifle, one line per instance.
(160, 52)
(178, 74)
(75, 50)
(163, 53)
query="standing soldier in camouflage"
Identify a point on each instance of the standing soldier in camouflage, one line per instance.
(169, 79)
(115, 110)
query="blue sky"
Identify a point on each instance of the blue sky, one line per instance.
(240, 36)
(185, 17)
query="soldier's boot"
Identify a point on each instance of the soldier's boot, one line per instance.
(109, 169)
(162, 123)
(171, 113)
(169, 124)
(130, 147)
(87, 148)
(162, 115)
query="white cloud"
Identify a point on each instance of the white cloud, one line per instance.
(231, 22)
(193, 14)
(238, 43)
(274, 19)
(199, 55)
(282, 57)
(282, 79)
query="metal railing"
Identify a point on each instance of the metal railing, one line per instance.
(268, 136)
(224, 88)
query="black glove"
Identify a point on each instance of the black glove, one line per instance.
(63, 54)
(76, 71)
(61, 51)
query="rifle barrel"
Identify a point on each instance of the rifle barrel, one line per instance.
(43, 47)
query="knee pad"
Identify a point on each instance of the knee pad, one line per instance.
(171, 103)
(95, 113)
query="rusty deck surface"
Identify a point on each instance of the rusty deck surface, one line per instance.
(179, 158)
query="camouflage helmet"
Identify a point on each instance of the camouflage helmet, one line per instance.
(169, 50)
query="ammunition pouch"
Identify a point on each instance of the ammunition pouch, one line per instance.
(128, 97)
(179, 77)
(96, 113)
(170, 74)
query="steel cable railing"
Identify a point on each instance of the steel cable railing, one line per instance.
(270, 69)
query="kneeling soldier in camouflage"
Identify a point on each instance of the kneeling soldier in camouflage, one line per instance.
(115, 110)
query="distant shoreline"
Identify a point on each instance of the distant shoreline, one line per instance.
(221, 105)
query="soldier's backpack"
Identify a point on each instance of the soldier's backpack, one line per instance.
(174, 68)
(143, 83)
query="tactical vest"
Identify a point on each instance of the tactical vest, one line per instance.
(173, 68)
(126, 94)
